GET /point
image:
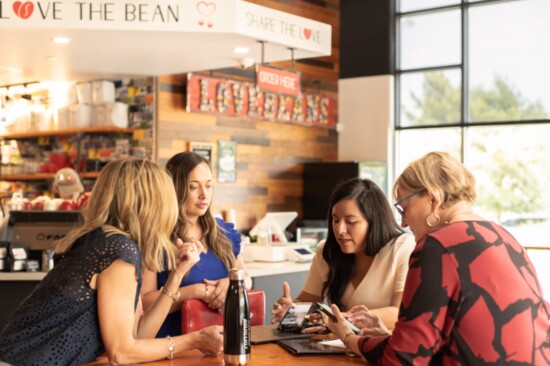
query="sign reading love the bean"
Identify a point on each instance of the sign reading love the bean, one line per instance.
(221, 16)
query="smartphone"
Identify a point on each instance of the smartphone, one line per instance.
(328, 311)
(295, 317)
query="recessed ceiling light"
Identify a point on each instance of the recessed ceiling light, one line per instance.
(61, 40)
(241, 50)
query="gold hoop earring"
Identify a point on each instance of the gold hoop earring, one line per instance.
(437, 220)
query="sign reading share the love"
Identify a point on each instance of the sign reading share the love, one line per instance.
(280, 27)
(229, 16)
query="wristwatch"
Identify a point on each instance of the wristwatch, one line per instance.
(174, 295)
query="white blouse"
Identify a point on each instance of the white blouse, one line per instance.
(385, 277)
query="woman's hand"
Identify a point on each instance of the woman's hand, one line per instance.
(282, 305)
(215, 292)
(188, 255)
(370, 323)
(210, 340)
(338, 326)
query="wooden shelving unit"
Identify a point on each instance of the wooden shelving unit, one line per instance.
(54, 133)
(65, 132)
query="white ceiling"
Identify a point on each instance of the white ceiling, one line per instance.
(30, 55)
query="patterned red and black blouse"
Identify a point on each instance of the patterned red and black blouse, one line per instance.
(471, 297)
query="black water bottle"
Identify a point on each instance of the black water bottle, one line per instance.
(236, 322)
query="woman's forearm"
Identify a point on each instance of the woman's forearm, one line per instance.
(143, 350)
(160, 305)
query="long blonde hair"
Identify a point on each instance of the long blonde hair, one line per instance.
(180, 166)
(135, 198)
(444, 177)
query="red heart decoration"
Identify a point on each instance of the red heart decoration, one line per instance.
(23, 10)
(206, 8)
(307, 33)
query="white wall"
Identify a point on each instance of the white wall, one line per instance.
(365, 116)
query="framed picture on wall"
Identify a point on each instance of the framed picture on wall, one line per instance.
(227, 161)
(202, 148)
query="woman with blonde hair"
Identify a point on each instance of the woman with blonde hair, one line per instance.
(471, 296)
(208, 280)
(89, 303)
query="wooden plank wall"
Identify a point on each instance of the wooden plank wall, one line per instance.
(269, 154)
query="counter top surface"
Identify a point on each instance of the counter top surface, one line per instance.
(22, 276)
(259, 269)
(255, 269)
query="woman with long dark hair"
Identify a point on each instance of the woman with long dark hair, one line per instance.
(364, 260)
(208, 280)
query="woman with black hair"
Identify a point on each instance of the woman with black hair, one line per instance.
(364, 260)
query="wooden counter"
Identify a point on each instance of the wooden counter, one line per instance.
(269, 354)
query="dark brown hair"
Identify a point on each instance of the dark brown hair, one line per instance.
(180, 166)
(382, 229)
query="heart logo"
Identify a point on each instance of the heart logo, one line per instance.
(23, 10)
(206, 8)
(307, 33)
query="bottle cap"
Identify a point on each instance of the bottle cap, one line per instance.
(236, 274)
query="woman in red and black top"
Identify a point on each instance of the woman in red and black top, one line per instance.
(471, 295)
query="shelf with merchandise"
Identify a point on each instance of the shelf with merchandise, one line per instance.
(65, 132)
(38, 155)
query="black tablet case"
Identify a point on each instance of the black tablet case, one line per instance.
(268, 333)
(309, 347)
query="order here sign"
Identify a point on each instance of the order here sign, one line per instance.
(278, 81)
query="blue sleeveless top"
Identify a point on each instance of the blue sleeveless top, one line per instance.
(209, 267)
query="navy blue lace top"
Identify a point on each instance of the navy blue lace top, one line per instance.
(57, 324)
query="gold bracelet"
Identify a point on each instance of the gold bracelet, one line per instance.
(346, 339)
(205, 290)
(174, 295)
(170, 348)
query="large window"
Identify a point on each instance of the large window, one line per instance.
(472, 80)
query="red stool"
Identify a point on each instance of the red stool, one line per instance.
(195, 314)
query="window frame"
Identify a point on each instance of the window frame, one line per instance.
(464, 7)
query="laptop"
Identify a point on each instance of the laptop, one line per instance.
(261, 334)
(310, 347)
